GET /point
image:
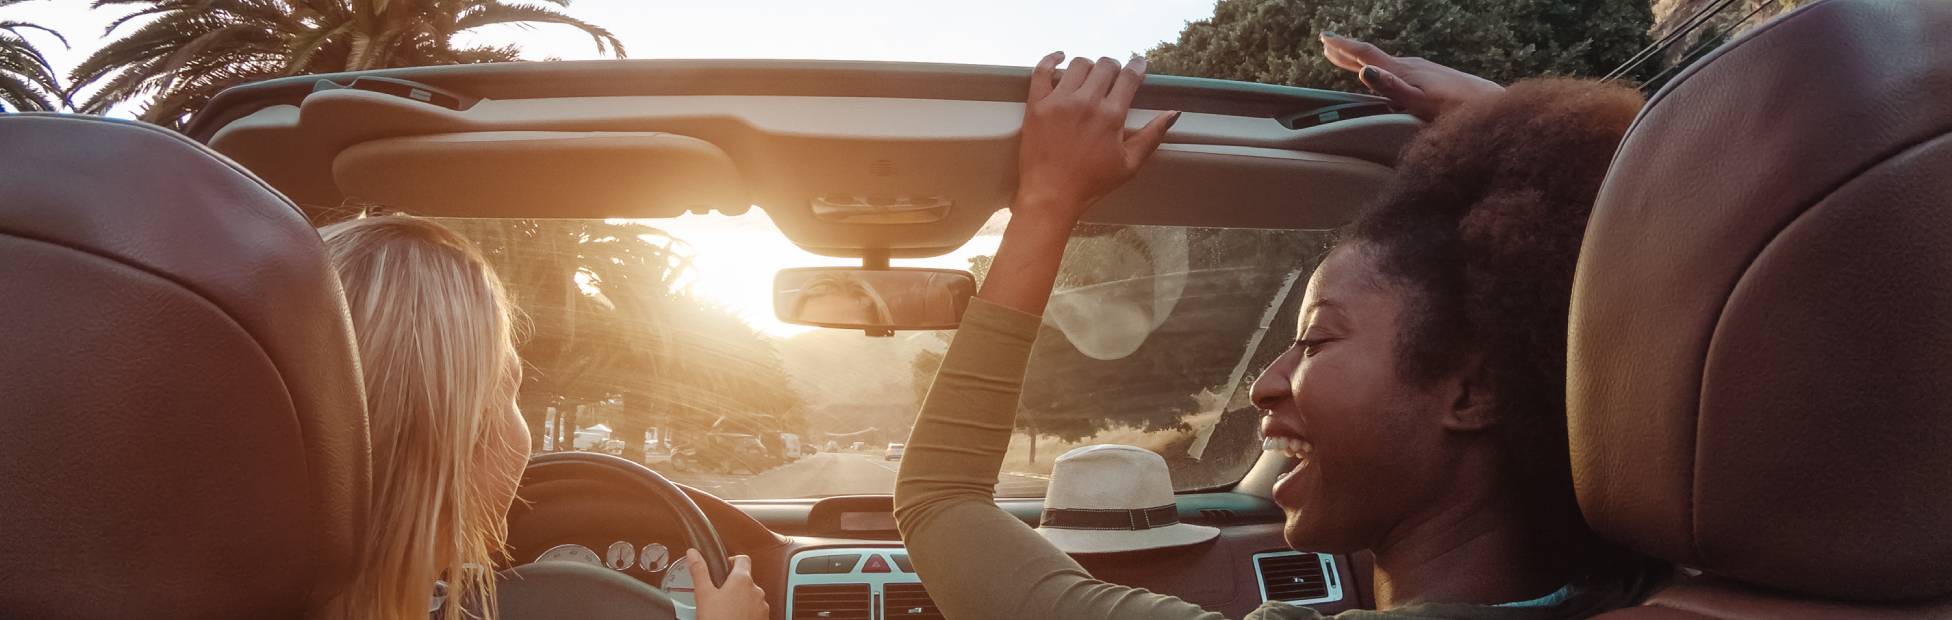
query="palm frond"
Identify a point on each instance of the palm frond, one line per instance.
(303, 48)
(18, 95)
(16, 27)
(488, 14)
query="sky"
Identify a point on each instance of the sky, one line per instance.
(998, 32)
(736, 256)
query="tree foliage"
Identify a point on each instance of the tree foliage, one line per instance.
(608, 317)
(183, 52)
(27, 82)
(1276, 41)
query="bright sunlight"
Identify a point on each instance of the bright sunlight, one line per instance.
(735, 258)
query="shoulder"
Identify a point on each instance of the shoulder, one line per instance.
(1284, 611)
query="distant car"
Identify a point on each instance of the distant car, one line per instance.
(857, 446)
(894, 452)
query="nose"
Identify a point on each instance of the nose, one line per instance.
(1273, 386)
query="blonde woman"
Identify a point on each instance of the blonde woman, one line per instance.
(841, 299)
(449, 446)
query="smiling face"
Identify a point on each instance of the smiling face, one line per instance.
(1373, 446)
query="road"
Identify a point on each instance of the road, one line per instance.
(824, 474)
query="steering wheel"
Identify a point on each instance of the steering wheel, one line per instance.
(560, 589)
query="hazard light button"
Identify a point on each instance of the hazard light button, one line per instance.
(876, 564)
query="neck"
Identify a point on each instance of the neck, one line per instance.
(1473, 549)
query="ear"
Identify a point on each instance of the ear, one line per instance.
(1472, 405)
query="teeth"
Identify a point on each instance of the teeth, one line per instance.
(1287, 446)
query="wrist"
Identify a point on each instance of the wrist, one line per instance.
(1042, 211)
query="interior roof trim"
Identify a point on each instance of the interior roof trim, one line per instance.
(911, 80)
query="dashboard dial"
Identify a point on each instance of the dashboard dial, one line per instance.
(570, 553)
(677, 583)
(656, 557)
(620, 556)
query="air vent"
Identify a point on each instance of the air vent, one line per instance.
(907, 601)
(1217, 516)
(841, 601)
(1297, 578)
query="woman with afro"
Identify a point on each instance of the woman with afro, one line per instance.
(1422, 402)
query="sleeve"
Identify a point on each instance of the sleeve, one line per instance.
(977, 560)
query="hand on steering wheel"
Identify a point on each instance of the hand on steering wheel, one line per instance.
(737, 599)
(564, 589)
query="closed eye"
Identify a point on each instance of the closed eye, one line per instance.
(1310, 346)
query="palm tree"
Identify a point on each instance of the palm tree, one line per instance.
(27, 82)
(189, 50)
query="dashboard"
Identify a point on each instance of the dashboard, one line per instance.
(650, 562)
(840, 557)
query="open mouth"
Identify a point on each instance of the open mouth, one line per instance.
(1293, 447)
(1283, 439)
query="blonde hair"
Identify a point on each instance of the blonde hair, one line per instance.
(844, 283)
(436, 352)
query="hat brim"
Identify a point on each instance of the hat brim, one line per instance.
(1117, 541)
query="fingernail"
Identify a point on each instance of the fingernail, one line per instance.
(1370, 72)
(1137, 64)
(1329, 34)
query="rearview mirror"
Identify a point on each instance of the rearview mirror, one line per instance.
(872, 299)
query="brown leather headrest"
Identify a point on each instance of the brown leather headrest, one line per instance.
(180, 405)
(1760, 381)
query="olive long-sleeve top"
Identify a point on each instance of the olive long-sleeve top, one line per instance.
(979, 561)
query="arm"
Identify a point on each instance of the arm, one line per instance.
(1420, 87)
(979, 561)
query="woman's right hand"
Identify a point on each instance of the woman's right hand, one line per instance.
(738, 599)
(1420, 87)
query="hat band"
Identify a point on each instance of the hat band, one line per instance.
(1105, 519)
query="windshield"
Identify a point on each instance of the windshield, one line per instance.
(655, 340)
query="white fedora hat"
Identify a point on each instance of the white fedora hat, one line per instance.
(1110, 498)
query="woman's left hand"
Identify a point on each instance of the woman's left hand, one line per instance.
(1075, 150)
(1075, 147)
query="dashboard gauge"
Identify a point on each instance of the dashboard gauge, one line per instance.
(654, 558)
(621, 555)
(677, 584)
(570, 553)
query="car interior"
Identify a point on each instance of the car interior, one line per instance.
(1757, 341)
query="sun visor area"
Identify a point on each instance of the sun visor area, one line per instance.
(1243, 187)
(522, 173)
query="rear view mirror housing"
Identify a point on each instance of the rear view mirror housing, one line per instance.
(876, 300)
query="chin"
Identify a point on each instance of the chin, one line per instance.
(1305, 534)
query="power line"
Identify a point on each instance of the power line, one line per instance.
(1688, 59)
(1680, 32)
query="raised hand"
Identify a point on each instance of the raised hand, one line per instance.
(1075, 150)
(1075, 147)
(1420, 87)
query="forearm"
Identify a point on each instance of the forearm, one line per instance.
(978, 560)
(1025, 268)
(957, 445)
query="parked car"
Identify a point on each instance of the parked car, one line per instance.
(893, 453)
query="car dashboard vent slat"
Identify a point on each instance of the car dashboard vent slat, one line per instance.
(1297, 578)
(907, 601)
(841, 601)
